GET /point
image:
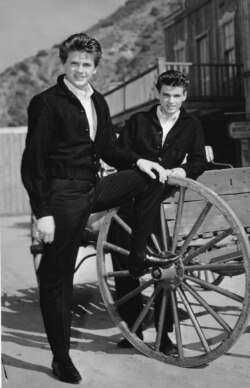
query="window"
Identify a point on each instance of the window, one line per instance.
(229, 42)
(203, 58)
(180, 51)
(228, 49)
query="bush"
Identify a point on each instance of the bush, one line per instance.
(154, 11)
(42, 53)
(23, 67)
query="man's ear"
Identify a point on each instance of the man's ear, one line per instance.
(156, 93)
(184, 95)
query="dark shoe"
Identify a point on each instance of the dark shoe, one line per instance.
(163, 259)
(169, 350)
(125, 344)
(65, 370)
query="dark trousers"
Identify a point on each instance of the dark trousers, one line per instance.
(130, 310)
(72, 202)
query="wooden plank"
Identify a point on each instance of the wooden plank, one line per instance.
(215, 221)
(227, 181)
(222, 182)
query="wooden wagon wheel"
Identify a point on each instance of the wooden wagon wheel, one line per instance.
(207, 320)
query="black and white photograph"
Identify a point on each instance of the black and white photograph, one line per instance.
(125, 193)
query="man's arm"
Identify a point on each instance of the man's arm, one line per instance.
(196, 162)
(33, 167)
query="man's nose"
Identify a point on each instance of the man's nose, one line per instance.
(80, 69)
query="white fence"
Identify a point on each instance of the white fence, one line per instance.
(13, 197)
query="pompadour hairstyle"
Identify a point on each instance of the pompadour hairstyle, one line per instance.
(172, 78)
(80, 42)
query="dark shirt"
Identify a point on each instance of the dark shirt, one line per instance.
(142, 138)
(58, 143)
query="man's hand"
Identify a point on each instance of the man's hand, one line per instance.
(148, 167)
(46, 228)
(178, 171)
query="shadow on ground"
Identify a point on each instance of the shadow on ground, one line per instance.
(92, 328)
(22, 324)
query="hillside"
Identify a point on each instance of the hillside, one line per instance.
(131, 38)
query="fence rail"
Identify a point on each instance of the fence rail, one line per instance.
(134, 92)
(207, 82)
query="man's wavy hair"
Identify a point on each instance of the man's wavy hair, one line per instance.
(83, 43)
(172, 78)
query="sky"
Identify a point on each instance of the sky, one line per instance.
(27, 26)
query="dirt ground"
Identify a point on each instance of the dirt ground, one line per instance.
(26, 355)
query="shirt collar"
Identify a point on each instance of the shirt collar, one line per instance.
(163, 117)
(86, 93)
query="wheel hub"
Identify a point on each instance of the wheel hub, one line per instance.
(172, 275)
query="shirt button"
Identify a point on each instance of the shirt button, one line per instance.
(160, 159)
(87, 130)
(158, 147)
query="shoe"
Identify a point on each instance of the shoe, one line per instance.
(65, 370)
(125, 344)
(169, 350)
(163, 259)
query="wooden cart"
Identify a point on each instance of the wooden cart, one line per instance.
(206, 225)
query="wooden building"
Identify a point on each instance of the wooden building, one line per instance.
(209, 40)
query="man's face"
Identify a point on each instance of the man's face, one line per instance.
(171, 99)
(79, 68)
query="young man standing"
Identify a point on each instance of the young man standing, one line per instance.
(69, 130)
(166, 134)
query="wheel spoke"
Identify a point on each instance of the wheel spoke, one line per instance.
(194, 320)
(145, 309)
(195, 228)
(215, 257)
(177, 224)
(164, 231)
(122, 223)
(115, 248)
(155, 242)
(177, 323)
(161, 319)
(217, 289)
(207, 307)
(208, 245)
(133, 293)
(116, 274)
(215, 267)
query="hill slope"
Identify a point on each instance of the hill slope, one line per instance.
(131, 38)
